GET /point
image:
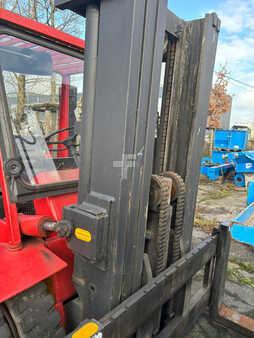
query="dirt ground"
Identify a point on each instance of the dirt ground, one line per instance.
(217, 202)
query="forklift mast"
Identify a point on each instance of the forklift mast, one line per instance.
(123, 147)
(120, 96)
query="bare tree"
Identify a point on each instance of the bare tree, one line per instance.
(45, 12)
(9, 4)
(220, 101)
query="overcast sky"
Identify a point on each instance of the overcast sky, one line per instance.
(235, 48)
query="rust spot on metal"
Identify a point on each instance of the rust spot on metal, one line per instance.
(237, 318)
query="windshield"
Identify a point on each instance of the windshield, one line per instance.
(44, 94)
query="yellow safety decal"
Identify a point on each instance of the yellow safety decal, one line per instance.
(86, 331)
(83, 235)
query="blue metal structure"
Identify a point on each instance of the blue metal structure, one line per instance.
(219, 157)
(239, 180)
(214, 171)
(229, 155)
(243, 161)
(250, 196)
(230, 139)
(242, 229)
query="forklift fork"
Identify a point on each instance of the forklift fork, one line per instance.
(131, 314)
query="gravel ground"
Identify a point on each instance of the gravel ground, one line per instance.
(221, 202)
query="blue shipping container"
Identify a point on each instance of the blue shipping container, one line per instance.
(231, 139)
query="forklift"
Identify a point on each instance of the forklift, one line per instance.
(98, 212)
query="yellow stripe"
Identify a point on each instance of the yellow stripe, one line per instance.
(83, 235)
(86, 331)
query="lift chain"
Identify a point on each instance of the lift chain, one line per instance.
(178, 194)
(160, 202)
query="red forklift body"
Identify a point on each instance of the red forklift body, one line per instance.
(24, 268)
(27, 261)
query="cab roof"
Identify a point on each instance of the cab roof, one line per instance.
(39, 29)
(62, 63)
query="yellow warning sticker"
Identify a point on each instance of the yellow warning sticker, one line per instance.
(86, 331)
(83, 235)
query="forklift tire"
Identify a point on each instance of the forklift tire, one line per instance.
(5, 331)
(34, 315)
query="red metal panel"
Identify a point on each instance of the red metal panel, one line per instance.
(62, 286)
(60, 308)
(4, 231)
(64, 115)
(32, 225)
(19, 270)
(40, 29)
(53, 205)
